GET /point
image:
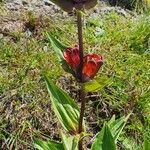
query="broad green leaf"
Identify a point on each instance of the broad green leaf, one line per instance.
(96, 84)
(116, 126)
(59, 48)
(70, 142)
(57, 45)
(47, 145)
(68, 5)
(108, 141)
(104, 140)
(146, 144)
(64, 107)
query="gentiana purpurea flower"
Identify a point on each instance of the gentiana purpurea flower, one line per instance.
(69, 5)
(91, 63)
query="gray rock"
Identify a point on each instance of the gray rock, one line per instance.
(13, 7)
(1, 36)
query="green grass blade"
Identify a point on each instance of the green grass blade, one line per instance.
(146, 144)
(116, 126)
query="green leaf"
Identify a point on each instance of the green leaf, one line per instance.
(57, 45)
(70, 142)
(96, 84)
(104, 140)
(116, 126)
(59, 48)
(47, 145)
(64, 106)
(108, 141)
(67, 68)
(146, 144)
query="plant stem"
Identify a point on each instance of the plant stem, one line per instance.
(82, 110)
(80, 38)
(82, 92)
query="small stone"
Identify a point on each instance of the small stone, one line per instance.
(18, 2)
(13, 7)
(96, 10)
(99, 31)
(1, 36)
(45, 48)
(47, 3)
(24, 2)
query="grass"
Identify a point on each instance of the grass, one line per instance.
(25, 109)
(141, 5)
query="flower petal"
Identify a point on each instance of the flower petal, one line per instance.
(92, 64)
(71, 55)
(66, 5)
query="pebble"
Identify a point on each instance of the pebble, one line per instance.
(13, 7)
(48, 3)
(17, 2)
(1, 36)
(24, 2)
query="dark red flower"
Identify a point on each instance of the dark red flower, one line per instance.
(71, 55)
(69, 5)
(91, 65)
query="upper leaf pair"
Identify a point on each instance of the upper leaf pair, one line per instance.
(69, 5)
